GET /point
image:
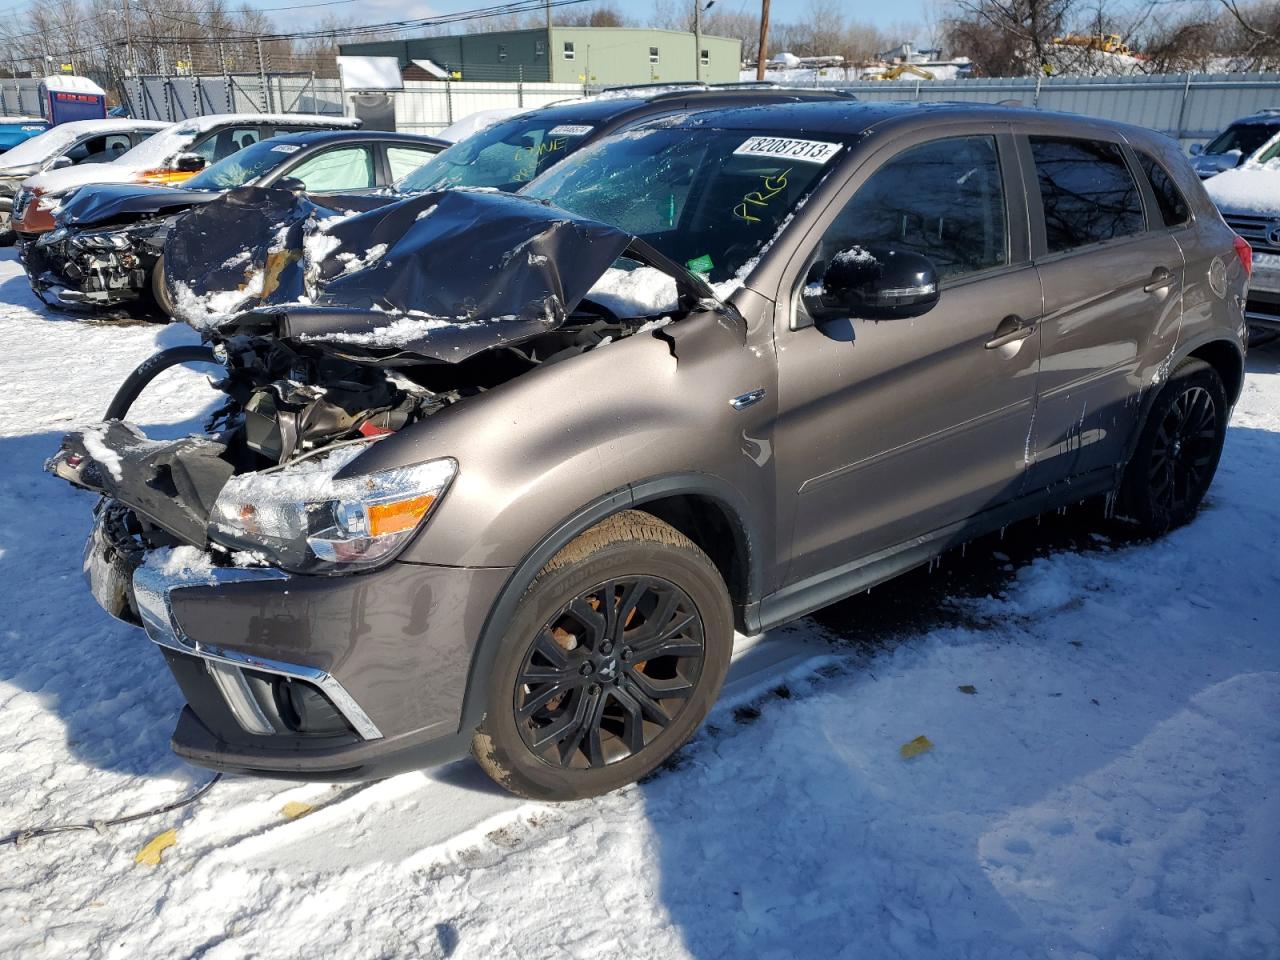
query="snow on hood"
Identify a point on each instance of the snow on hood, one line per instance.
(482, 269)
(1251, 189)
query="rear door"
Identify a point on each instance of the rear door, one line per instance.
(1112, 277)
(888, 430)
(404, 158)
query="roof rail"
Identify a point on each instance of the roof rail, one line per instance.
(657, 87)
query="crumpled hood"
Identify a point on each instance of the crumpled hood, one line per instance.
(441, 276)
(110, 201)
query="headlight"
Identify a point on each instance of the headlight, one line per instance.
(50, 237)
(101, 241)
(306, 521)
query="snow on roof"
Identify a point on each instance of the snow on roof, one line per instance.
(370, 73)
(431, 67)
(1253, 188)
(475, 122)
(62, 83)
(211, 120)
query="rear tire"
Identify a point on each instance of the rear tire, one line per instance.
(615, 655)
(1177, 454)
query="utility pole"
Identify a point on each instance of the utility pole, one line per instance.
(697, 40)
(262, 77)
(548, 29)
(764, 39)
(130, 63)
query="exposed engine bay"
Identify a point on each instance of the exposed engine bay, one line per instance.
(308, 386)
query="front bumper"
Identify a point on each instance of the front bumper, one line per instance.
(103, 278)
(389, 651)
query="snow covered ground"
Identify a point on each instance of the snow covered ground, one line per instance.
(1106, 784)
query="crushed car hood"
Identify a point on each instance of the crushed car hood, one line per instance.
(109, 202)
(439, 276)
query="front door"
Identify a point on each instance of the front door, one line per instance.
(1112, 294)
(891, 429)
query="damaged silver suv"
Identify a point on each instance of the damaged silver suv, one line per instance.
(502, 473)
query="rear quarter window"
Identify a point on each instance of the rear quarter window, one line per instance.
(1087, 192)
(1172, 204)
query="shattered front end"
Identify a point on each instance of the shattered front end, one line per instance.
(263, 555)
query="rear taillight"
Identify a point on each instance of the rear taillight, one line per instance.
(1245, 253)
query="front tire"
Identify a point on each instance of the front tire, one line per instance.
(1178, 452)
(160, 289)
(615, 655)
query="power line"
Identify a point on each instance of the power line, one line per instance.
(480, 13)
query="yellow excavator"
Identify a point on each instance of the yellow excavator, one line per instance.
(902, 69)
(1106, 42)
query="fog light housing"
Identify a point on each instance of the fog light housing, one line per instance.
(304, 709)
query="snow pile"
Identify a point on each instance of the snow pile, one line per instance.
(1253, 188)
(642, 292)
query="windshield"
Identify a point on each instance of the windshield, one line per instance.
(243, 166)
(155, 150)
(40, 148)
(506, 156)
(711, 201)
(1243, 138)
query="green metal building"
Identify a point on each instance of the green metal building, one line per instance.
(604, 56)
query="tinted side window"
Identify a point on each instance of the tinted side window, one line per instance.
(404, 160)
(1087, 192)
(223, 143)
(345, 168)
(1173, 205)
(942, 199)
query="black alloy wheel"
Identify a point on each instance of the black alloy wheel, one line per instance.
(613, 657)
(1184, 452)
(1178, 451)
(612, 669)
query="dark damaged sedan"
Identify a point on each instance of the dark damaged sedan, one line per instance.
(503, 472)
(107, 247)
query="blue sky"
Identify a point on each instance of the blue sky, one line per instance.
(377, 11)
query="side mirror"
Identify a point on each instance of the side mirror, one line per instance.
(1197, 149)
(292, 184)
(874, 283)
(61, 163)
(188, 163)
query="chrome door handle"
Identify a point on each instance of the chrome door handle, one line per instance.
(1161, 279)
(1011, 329)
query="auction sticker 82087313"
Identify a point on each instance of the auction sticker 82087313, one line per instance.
(785, 148)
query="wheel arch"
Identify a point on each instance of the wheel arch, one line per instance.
(702, 507)
(1227, 359)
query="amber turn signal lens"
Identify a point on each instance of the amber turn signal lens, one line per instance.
(398, 516)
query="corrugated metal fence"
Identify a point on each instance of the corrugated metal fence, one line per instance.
(1184, 106)
(422, 107)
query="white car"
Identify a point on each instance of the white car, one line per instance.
(66, 145)
(1249, 198)
(171, 156)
